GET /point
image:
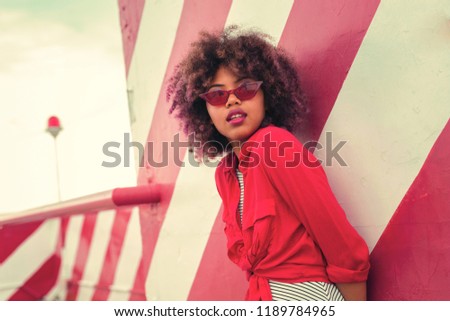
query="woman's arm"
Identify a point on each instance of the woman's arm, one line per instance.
(299, 178)
(353, 291)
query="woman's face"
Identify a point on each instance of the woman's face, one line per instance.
(237, 119)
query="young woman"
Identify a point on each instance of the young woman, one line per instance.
(241, 97)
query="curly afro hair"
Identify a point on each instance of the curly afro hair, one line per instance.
(247, 53)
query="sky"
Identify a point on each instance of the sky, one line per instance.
(63, 58)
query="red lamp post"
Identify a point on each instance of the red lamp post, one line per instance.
(54, 128)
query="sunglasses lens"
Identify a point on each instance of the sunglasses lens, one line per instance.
(217, 97)
(247, 90)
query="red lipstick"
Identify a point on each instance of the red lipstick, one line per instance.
(236, 116)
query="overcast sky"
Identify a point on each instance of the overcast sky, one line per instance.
(63, 58)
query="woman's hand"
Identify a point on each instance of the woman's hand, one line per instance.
(353, 291)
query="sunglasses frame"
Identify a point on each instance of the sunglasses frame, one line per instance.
(231, 91)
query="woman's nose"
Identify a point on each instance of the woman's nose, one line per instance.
(233, 100)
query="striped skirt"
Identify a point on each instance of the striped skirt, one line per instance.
(305, 291)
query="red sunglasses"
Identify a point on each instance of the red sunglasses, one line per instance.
(245, 91)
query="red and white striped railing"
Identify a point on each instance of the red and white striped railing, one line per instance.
(55, 251)
(125, 196)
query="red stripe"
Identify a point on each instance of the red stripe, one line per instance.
(12, 236)
(324, 38)
(217, 278)
(41, 282)
(113, 253)
(138, 293)
(44, 279)
(195, 16)
(84, 245)
(130, 19)
(411, 260)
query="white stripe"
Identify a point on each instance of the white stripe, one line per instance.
(26, 260)
(72, 242)
(58, 291)
(157, 32)
(391, 109)
(268, 16)
(68, 258)
(184, 234)
(97, 253)
(130, 257)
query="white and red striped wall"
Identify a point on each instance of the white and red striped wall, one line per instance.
(377, 74)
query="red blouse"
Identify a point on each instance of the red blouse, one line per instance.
(293, 228)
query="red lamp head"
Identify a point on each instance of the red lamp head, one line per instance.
(54, 126)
